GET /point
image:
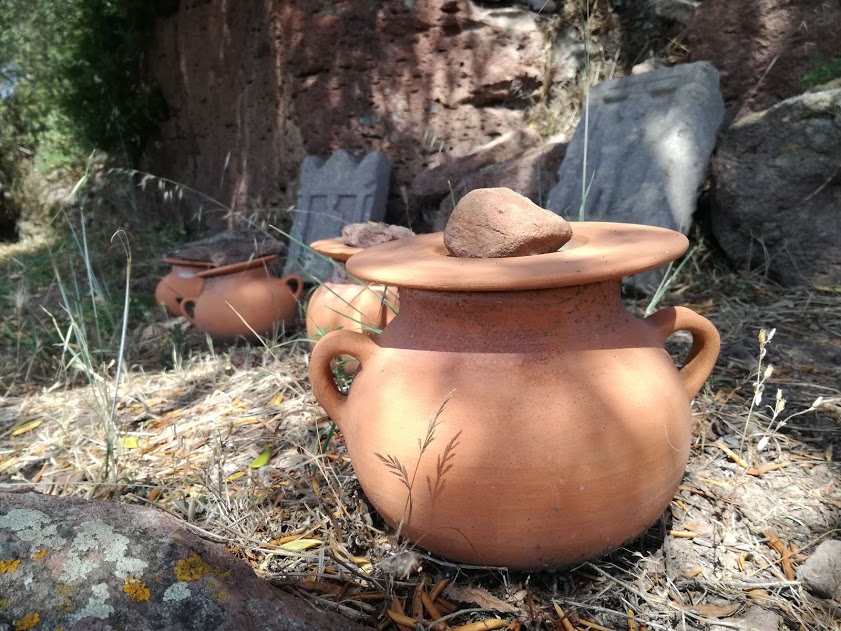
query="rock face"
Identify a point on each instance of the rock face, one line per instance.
(646, 149)
(763, 48)
(77, 565)
(253, 89)
(497, 222)
(777, 193)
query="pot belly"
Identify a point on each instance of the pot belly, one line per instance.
(536, 460)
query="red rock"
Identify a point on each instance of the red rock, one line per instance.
(497, 222)
(765, 50)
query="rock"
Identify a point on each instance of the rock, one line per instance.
(530, 173)
(765, 52)
(78, 565)
(497, 222)
(366, 235)
(821, 573)
(754, 618)
(676, 10)
(228, 247)
(310, 77)
(650, 137)
(333, 193)
(777, 190)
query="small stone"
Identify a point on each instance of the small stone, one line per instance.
(821, 573)
(497, 222)
(366, 235)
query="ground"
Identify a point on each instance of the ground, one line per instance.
(230, 439)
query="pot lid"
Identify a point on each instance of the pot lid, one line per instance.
(238, 267)
(597, 251)
(335, 249)
(172, 260)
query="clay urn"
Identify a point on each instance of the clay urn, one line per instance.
(182, 281)
(343, 302)
(244, 299)
(514, 413)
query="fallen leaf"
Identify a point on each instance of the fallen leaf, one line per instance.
(235, 476)
(300, 544)
(277, 400)
(27, 428)
(130, 442)
(479, 596)
(262, 459)
(717, 611)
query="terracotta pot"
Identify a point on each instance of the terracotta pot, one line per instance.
(343, 303)
(243, 299)
(536, 421)
(182, 281)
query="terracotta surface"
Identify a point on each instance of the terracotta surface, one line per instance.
(564, 425)
(244, 299)
(497, 222)
(597, 250)
(350, 305)
(182, 281)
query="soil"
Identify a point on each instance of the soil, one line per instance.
(191, 436)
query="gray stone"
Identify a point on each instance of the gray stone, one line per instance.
(777, 190)
(754, 618)
(821, 573)
(78, 565)
(649, 141)
(677, 10)
(366, 235)
(334, 193)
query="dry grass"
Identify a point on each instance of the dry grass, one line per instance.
(191, 439)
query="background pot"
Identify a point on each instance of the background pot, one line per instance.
(244, 299)
(183, 281)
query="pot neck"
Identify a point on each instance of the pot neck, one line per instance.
(449, 319)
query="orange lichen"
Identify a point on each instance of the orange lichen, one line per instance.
(192, 568)
(27, 622)
(7, 567)
(136, 590)
(39, 555)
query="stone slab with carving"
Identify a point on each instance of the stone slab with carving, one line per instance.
(333, 193)
(79, 565)
(648, 144)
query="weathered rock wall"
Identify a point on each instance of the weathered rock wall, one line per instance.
(254, 87)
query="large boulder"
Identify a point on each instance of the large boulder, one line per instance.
(78, 565)
(763, 48)
(777, 193)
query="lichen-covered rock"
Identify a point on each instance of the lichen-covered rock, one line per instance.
(497, 222)
(366, 235)
(78, 565)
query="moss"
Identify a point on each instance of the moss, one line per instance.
(4, 603)
(136, 590)
(7, 567)
(27, 622)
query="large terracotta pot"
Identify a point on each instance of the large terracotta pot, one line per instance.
(536, 421)
(343, 303)
(243, 299)
(182, 281)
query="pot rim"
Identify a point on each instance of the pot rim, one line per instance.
(335, 249)
(233, 268)
(598, 251)
(172, 260)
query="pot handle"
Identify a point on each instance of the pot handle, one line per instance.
(706, 343)
(335, 343)
(184, 311)
(295, 284)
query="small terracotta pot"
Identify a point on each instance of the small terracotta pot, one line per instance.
(183, 281)
(514, 413)
(243, 299)
(347, 305)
